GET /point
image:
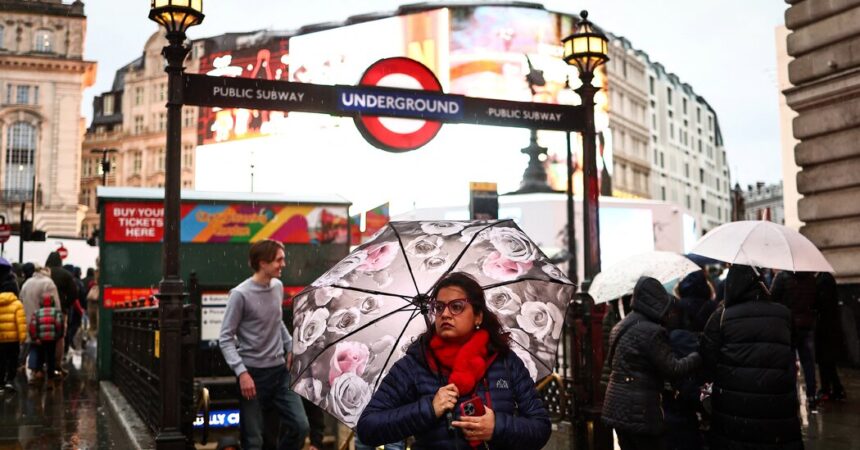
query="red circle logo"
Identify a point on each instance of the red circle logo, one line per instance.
(374, 129)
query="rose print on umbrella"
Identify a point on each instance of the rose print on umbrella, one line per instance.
(355, 321)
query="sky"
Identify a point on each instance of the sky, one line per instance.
(724, 49)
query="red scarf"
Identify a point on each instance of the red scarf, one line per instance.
(467, 363)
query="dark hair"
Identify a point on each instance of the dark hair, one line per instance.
(263, 251)
(499, 339)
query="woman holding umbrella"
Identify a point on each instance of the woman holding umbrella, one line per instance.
(460, 385)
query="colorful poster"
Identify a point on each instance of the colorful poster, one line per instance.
(268, 61)
(228, 223)
(120, 297)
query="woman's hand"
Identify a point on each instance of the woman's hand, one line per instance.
(445, 399)
(478, 428)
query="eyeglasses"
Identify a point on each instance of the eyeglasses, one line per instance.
(455, 306)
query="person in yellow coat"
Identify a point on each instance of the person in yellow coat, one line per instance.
(13, 331)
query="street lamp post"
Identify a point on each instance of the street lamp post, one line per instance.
(105, 162)
(176, 16)
(587, 49)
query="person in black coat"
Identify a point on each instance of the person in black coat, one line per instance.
(641, 359)
(696, 299)
(796, 291)
(464, 356)
(747, 353)
(828, 337)
(681, 405)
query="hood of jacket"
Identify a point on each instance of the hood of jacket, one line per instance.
(742, 285)
(54, 260)
(7, 298)
(651, 299)
(695, 285)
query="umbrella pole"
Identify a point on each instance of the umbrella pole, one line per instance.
(345, 444)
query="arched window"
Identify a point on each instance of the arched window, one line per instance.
(44, 41)
(20, 160)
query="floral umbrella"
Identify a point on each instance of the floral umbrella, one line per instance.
(355, 321)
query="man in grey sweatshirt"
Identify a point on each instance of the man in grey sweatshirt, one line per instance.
(257, 346)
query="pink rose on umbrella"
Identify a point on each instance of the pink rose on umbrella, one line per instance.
(500, 268)
(379, 256)
(349, 357)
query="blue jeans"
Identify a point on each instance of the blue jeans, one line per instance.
(806, 352)
(273, 390)
(362, 446)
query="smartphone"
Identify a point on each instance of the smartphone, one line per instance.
(472, 407)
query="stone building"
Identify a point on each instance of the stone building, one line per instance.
(764, 202)
(825, 75)
(130, 122)
(42, 78)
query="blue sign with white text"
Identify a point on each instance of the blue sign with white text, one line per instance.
(390, 102)
(226, 418)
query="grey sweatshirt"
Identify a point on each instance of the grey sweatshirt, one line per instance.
(253, 332)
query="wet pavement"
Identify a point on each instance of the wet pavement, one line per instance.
(72, 416)
(68, 416)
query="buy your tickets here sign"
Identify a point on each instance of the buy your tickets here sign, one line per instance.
(236, 223)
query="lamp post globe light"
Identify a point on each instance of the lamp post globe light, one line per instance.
(176, 16)
(586, 48)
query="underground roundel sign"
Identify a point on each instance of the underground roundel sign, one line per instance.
(412, 126)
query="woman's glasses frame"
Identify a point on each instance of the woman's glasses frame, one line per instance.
(456, 306)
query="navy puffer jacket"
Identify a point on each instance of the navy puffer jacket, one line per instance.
(403, 406)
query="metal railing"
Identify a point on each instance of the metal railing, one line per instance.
(136, 362)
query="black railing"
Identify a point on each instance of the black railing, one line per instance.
(136, 362)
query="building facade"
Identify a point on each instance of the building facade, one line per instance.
(790, 196)
(825, 74)
(688, 159)
(42, 78)
(129, 121)
(626, 74)
(764, 202)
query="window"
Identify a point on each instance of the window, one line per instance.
(684, 103)
(662, 162)
(137, 162)
(698, 115)
(687, 171)
(654, 121)
(161, 122)
(138, 96)
(138, 124)
(669, 95)
(710, 123)
(22, 96)
(2, 31)
(107, 105)
(700, 146)
(651, 85)
(656, 157)
(20, 158)
(671, 131)
(188, 117)
(624, 68)
(701, 175)
(703, 206)
(43, 41)
(159, 160)
(188, 155)
(663, 192)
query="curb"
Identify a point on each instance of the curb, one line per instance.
(138, 433)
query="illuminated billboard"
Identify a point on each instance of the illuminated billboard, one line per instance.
(268, 61)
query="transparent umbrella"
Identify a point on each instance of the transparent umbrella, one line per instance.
(619, 279)
(359, 318)
(760, 243)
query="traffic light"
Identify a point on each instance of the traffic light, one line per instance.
(93, 240)
(38, 235)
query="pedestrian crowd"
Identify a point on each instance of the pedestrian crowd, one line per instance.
(716, 364)
(42, 312)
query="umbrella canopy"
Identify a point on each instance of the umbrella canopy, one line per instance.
(355, 321)
(619, 279)
(760, 243)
